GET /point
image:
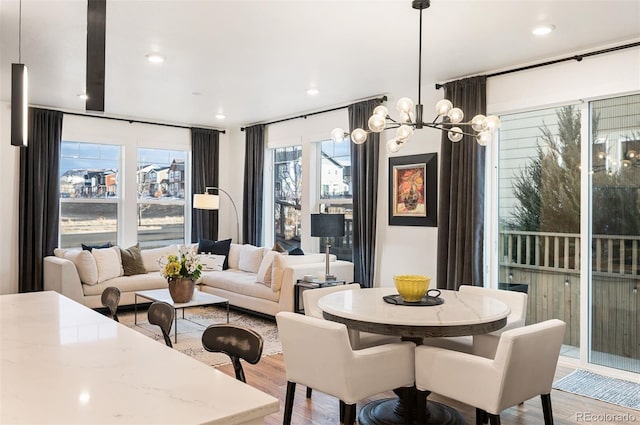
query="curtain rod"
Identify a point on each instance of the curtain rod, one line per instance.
(380, 99)
(577, 58)
(131, 121)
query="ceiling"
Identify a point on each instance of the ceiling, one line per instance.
(254, 60)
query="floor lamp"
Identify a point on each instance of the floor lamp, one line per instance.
(327, 225)
(209, 201)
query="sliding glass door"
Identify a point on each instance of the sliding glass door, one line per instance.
(615, 233)
(556, 244)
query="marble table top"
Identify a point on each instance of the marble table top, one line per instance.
(61, 362)
(460, 314)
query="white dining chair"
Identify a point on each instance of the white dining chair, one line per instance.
(524, 366)
(317, 353)
(358, 339)
(485, 344)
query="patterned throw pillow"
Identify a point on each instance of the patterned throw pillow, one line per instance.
(206, 246)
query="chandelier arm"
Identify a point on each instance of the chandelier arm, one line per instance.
(442, 128)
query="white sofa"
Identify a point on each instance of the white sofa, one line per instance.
(258, 279)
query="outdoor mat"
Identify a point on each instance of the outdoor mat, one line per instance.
(611, 390)
(196, 320)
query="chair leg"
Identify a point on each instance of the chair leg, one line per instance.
(288, 403)
(309, 392)
(341, 411)
(349, 414)
(237, 367)
(546, 409)
(421, 408)
(167, 340)
(481, 417)
(494, 419)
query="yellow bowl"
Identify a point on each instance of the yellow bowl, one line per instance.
(412, 287)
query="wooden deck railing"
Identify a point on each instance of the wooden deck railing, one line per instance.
(549, 264)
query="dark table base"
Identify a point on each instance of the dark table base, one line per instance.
(388, 412)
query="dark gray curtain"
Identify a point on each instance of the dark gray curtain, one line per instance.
(39, 196)
(205, 152)
(364, 171)
(253, 185)
(461, 204)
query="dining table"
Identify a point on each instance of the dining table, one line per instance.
(382, 311)
(63, 363)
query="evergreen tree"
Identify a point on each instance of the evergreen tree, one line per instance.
(548, 189)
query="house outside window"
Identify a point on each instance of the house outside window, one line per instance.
(89, 193)
(161, 197)
(336, 195)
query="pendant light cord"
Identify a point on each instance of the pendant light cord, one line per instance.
(420, 62)
(20, 33)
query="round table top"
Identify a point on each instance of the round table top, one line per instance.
(460, 314)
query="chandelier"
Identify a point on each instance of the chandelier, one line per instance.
(448, 118)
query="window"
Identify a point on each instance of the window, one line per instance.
(287, 185)
(160, 179)
(336, 195)
(89, 193)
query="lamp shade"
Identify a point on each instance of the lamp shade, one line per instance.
(205, 201)
(327, 225)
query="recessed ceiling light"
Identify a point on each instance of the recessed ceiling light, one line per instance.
(155, 58)
(221, 116)
(543, 29)
(83, 96)
(313, 91)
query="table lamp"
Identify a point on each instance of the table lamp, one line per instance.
(327, 225)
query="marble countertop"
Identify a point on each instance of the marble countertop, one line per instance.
(64, 363)
(458, 309)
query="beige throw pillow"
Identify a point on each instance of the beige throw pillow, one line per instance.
(264, 272)
(85, 265)
(250, 258)
(151, 257)
(108, 262)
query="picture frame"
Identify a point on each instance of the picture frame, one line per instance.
(413, 190)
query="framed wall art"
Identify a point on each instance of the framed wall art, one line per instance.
(413, 190)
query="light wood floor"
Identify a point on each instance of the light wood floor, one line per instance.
(269, 376)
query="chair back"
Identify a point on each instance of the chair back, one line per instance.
(310, 298)
(162, 314)
(315, 351)
(516, 301)
(526, 358)
(237, 342)
(111, 298)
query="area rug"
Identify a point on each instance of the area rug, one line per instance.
(196, 320)
(611, 390)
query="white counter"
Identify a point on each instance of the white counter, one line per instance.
(64, 363)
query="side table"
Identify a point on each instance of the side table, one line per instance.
(303, 285)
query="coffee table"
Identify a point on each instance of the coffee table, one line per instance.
(199, 299)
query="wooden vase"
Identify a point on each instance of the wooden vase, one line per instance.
(181, 289)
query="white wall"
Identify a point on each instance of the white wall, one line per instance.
(9, 206)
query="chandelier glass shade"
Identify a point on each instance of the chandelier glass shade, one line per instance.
(448, 118)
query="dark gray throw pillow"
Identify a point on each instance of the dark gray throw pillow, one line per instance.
(132, 260)
(206, 246)
(91, 247)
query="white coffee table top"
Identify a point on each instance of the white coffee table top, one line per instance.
(64, 363)
(199, 298)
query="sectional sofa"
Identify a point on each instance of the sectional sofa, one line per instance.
(257, 279)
